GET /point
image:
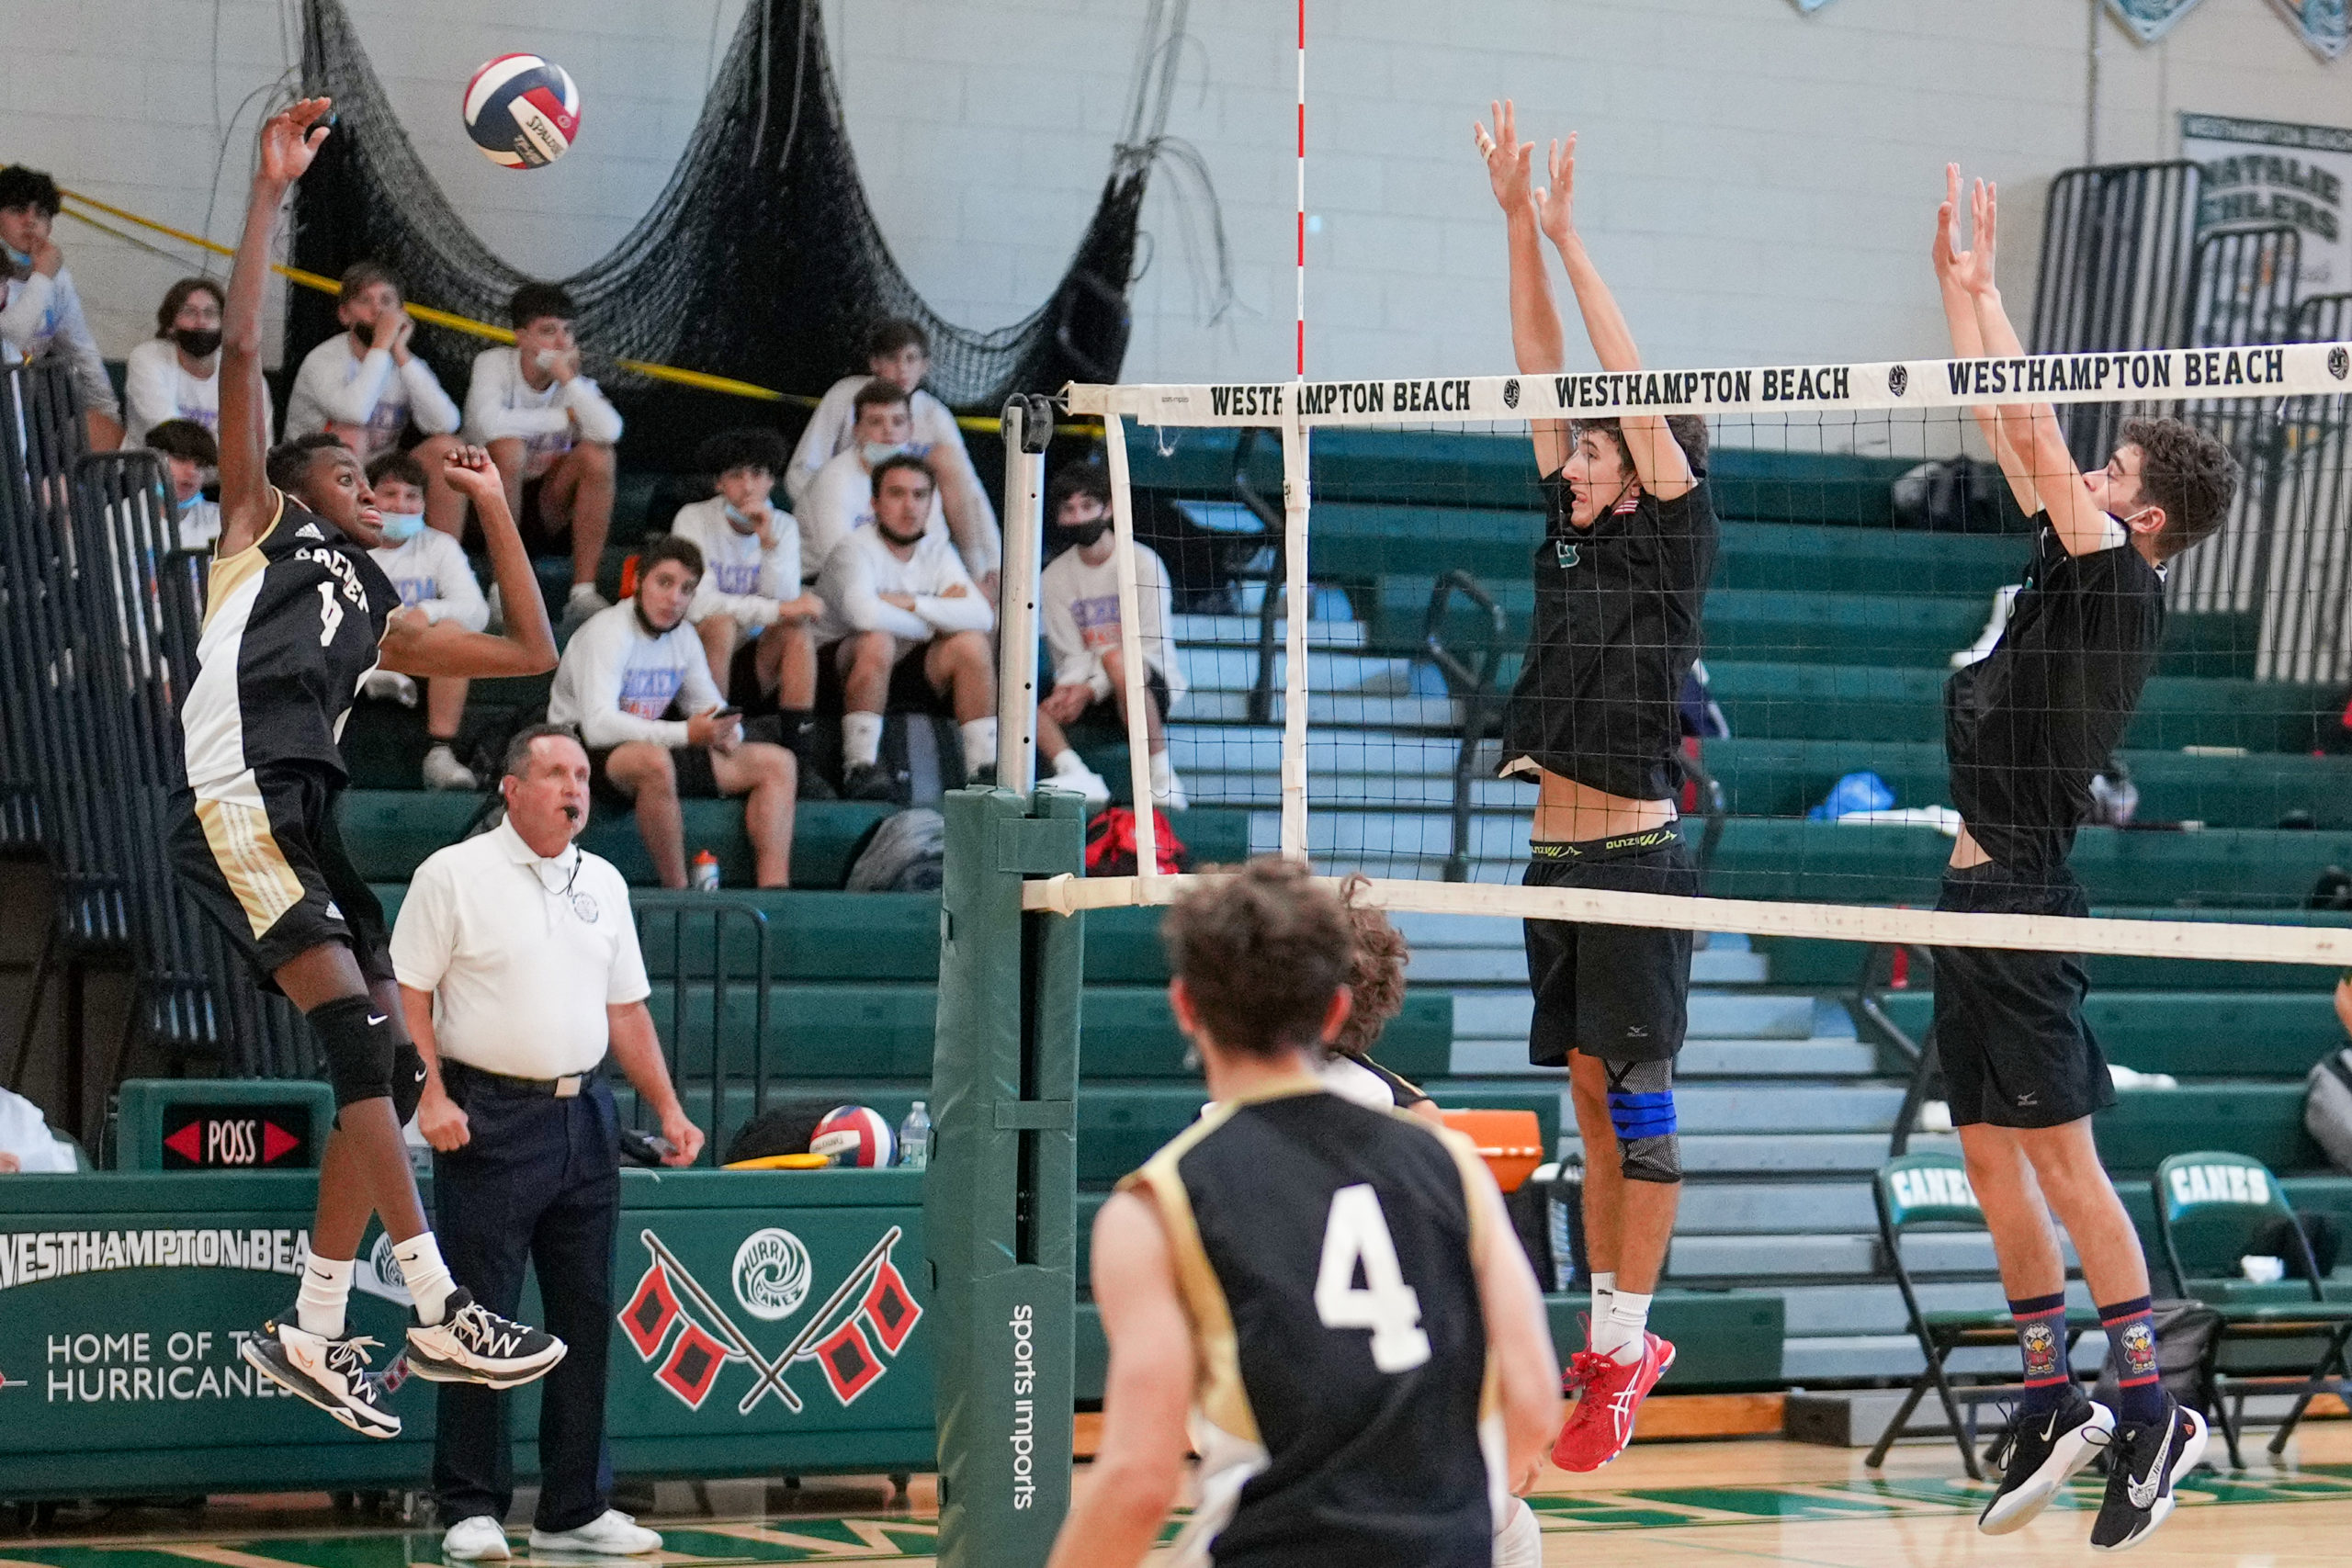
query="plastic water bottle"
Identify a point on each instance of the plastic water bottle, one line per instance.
(914, 1138)
(706, 873)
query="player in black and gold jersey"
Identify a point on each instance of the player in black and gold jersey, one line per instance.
(1332, 1294)
(295, 614)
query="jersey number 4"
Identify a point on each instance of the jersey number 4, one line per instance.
(329, 615)
(1355, 1236)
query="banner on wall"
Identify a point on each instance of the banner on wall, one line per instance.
(2260, 174)
(2150, 19)
(2321, 23)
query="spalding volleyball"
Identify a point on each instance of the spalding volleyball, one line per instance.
(522, 111)
(852, 1134)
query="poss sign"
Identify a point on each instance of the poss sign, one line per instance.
(238, 1137)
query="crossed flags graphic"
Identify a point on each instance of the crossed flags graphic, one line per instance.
(879, 1309)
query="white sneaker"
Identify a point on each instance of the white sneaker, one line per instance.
(443, 771)
(1167, 789)
(1077, 776)
(1519, 1543)
(1985, 640)
(610, 1534)
(389, 686)
(584, 601)
(478, 1540)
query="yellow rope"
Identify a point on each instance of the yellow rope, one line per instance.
(671, 373)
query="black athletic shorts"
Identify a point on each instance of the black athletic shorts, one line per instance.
(1618, 993)
(2009, 1032)
(1105, 711)
(697, 780)
(910, 689)
(270, 868)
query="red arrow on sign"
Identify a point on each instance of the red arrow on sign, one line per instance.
(187, 1142)
(275, 1141)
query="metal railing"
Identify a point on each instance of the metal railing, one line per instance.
(710, 940)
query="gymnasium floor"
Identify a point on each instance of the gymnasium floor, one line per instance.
(1731, 1504)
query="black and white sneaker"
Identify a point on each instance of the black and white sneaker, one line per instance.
(329, 1373)
(2037, 1453)
(869, 780)
(472, 1344)
(2143, 1466)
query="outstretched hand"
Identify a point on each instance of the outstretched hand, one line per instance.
(290, 139)
(1971, 271)
(1510, 162)
(1555, 202)
(473, 475)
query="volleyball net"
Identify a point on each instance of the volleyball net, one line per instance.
(1354, 568)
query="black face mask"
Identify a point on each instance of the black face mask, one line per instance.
(1085, 533)
(194, 343)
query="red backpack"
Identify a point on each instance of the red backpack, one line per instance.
(1110, 844)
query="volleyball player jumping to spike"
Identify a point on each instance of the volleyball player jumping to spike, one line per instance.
(1629, 542)
(2027, 729)
(295, 614)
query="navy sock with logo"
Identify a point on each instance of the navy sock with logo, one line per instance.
(2042, 1339)
(2131, 1343)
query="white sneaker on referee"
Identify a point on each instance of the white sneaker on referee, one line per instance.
(478, 1540)
(610, 1534)
(1519, 1542)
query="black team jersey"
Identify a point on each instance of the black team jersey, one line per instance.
(2030, 725)
(1325, 1255)
(292, 624)
(1616, 631)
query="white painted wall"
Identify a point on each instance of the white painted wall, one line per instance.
(1757, 184)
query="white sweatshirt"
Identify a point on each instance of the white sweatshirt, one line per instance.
(740, 577)
(839, 501)
(615, 681)
(500, 404)
(832, 430)
(367, 398)
(1080, 606)
(864, 569)
(157, 386)
(433, 575)
(41, 315)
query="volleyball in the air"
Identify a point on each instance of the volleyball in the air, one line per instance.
(522, 111)
(852, 1134)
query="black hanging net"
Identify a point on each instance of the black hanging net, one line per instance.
(761, 260)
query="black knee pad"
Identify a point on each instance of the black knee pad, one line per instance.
(408, 1081)
(1641, 1109)
(360, 1044)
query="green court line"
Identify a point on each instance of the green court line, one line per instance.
(888, 1538)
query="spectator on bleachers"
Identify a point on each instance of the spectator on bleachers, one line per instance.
(365, 385)
(41, 314)
(1079, 604)
(905, 626)
(431, 571)
(898, 355)
(177, 372)
(551, 432)
(189, 453)
(839, 499)
(751, 608)
(622, 673)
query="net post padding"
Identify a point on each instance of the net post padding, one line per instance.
(2233, 942)
(1123, 527)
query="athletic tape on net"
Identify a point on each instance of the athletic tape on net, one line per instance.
(2234, 943)
(2170, 375)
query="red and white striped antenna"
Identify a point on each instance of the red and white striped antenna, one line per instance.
(1301, 189)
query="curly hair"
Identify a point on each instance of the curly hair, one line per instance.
(1260, 952)
(744, 446)
(2186, 471)
(1375, 973)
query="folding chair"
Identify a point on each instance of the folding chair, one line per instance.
(2209, 1207)
(1932, 1189)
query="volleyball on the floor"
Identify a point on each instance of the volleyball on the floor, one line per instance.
(852, 1134)
(522, 111)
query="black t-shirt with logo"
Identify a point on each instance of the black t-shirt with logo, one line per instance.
(1616, 631)
(2029, 727)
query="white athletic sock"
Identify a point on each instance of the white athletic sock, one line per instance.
(861, 738)
(318, 1301)
(425, 1275)
(1629, 1320)
(979, 743)
(1163, 774)
(1604, 1290)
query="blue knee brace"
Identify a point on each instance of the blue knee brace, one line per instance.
(1647, 1147)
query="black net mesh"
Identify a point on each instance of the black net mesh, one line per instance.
(761, 260)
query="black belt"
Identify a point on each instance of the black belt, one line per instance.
(568, 1086)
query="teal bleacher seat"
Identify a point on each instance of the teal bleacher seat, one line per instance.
(2191, 1034)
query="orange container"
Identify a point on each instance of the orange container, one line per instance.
(1510, 1142)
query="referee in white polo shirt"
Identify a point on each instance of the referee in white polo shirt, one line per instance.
(519, 968)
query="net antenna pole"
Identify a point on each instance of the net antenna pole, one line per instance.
(1028, 427)
(1123, 529)
(1298, 606)
(1300, 370)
